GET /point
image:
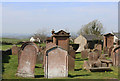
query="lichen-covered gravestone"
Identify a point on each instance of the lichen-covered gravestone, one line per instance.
(56, 62)
(27, 60)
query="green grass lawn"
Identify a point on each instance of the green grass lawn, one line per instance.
(10, 68)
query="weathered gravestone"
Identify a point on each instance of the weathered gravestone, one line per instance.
(84, 54)
(98, 46)
(71, 60)
(15, 50)
(102, 57)
(27, 60)
(93, 59)
(106, 51)
(116, 56)
(71, 63)
(40, 56)
(99, 52)
(72, 53)
(110, 50)
(56, 62)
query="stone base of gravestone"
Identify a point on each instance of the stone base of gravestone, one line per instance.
(24, 75)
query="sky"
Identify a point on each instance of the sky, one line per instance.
(30, 17)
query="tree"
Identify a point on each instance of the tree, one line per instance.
(41, 34)
(95, 27)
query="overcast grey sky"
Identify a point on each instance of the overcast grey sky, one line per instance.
(28, 17)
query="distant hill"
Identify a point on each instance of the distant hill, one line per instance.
(16, 35)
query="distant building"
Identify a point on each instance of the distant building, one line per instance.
(116, 37)
(84, 40)
(34, 39)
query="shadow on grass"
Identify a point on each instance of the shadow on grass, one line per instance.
(78, 69)
(102, 71)
(39, 76)
(72, 76)
(37, 67)
(5, 57)
(80, 59)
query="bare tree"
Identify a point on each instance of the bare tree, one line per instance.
(95, 27)
(41, 34)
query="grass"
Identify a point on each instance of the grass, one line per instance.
(12, 40)
(10, 68)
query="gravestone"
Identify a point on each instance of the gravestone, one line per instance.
(99, 52)
(105, 50)
(116, 56)
(56, 62)
(72, 53)
(84, 54)
(92, 58)
(86, 65)
(110, 50)
(102, 57)
(71, 63)
(27, 60)
(98, 46)
(15, 50)
(40, 56)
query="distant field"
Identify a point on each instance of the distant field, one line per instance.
(12, 40)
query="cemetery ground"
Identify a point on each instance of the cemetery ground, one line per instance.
(10, 63)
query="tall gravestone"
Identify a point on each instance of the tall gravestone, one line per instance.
(116, 56)
(27, 60)
(105, 50)
(110, 50)
(56, 62)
